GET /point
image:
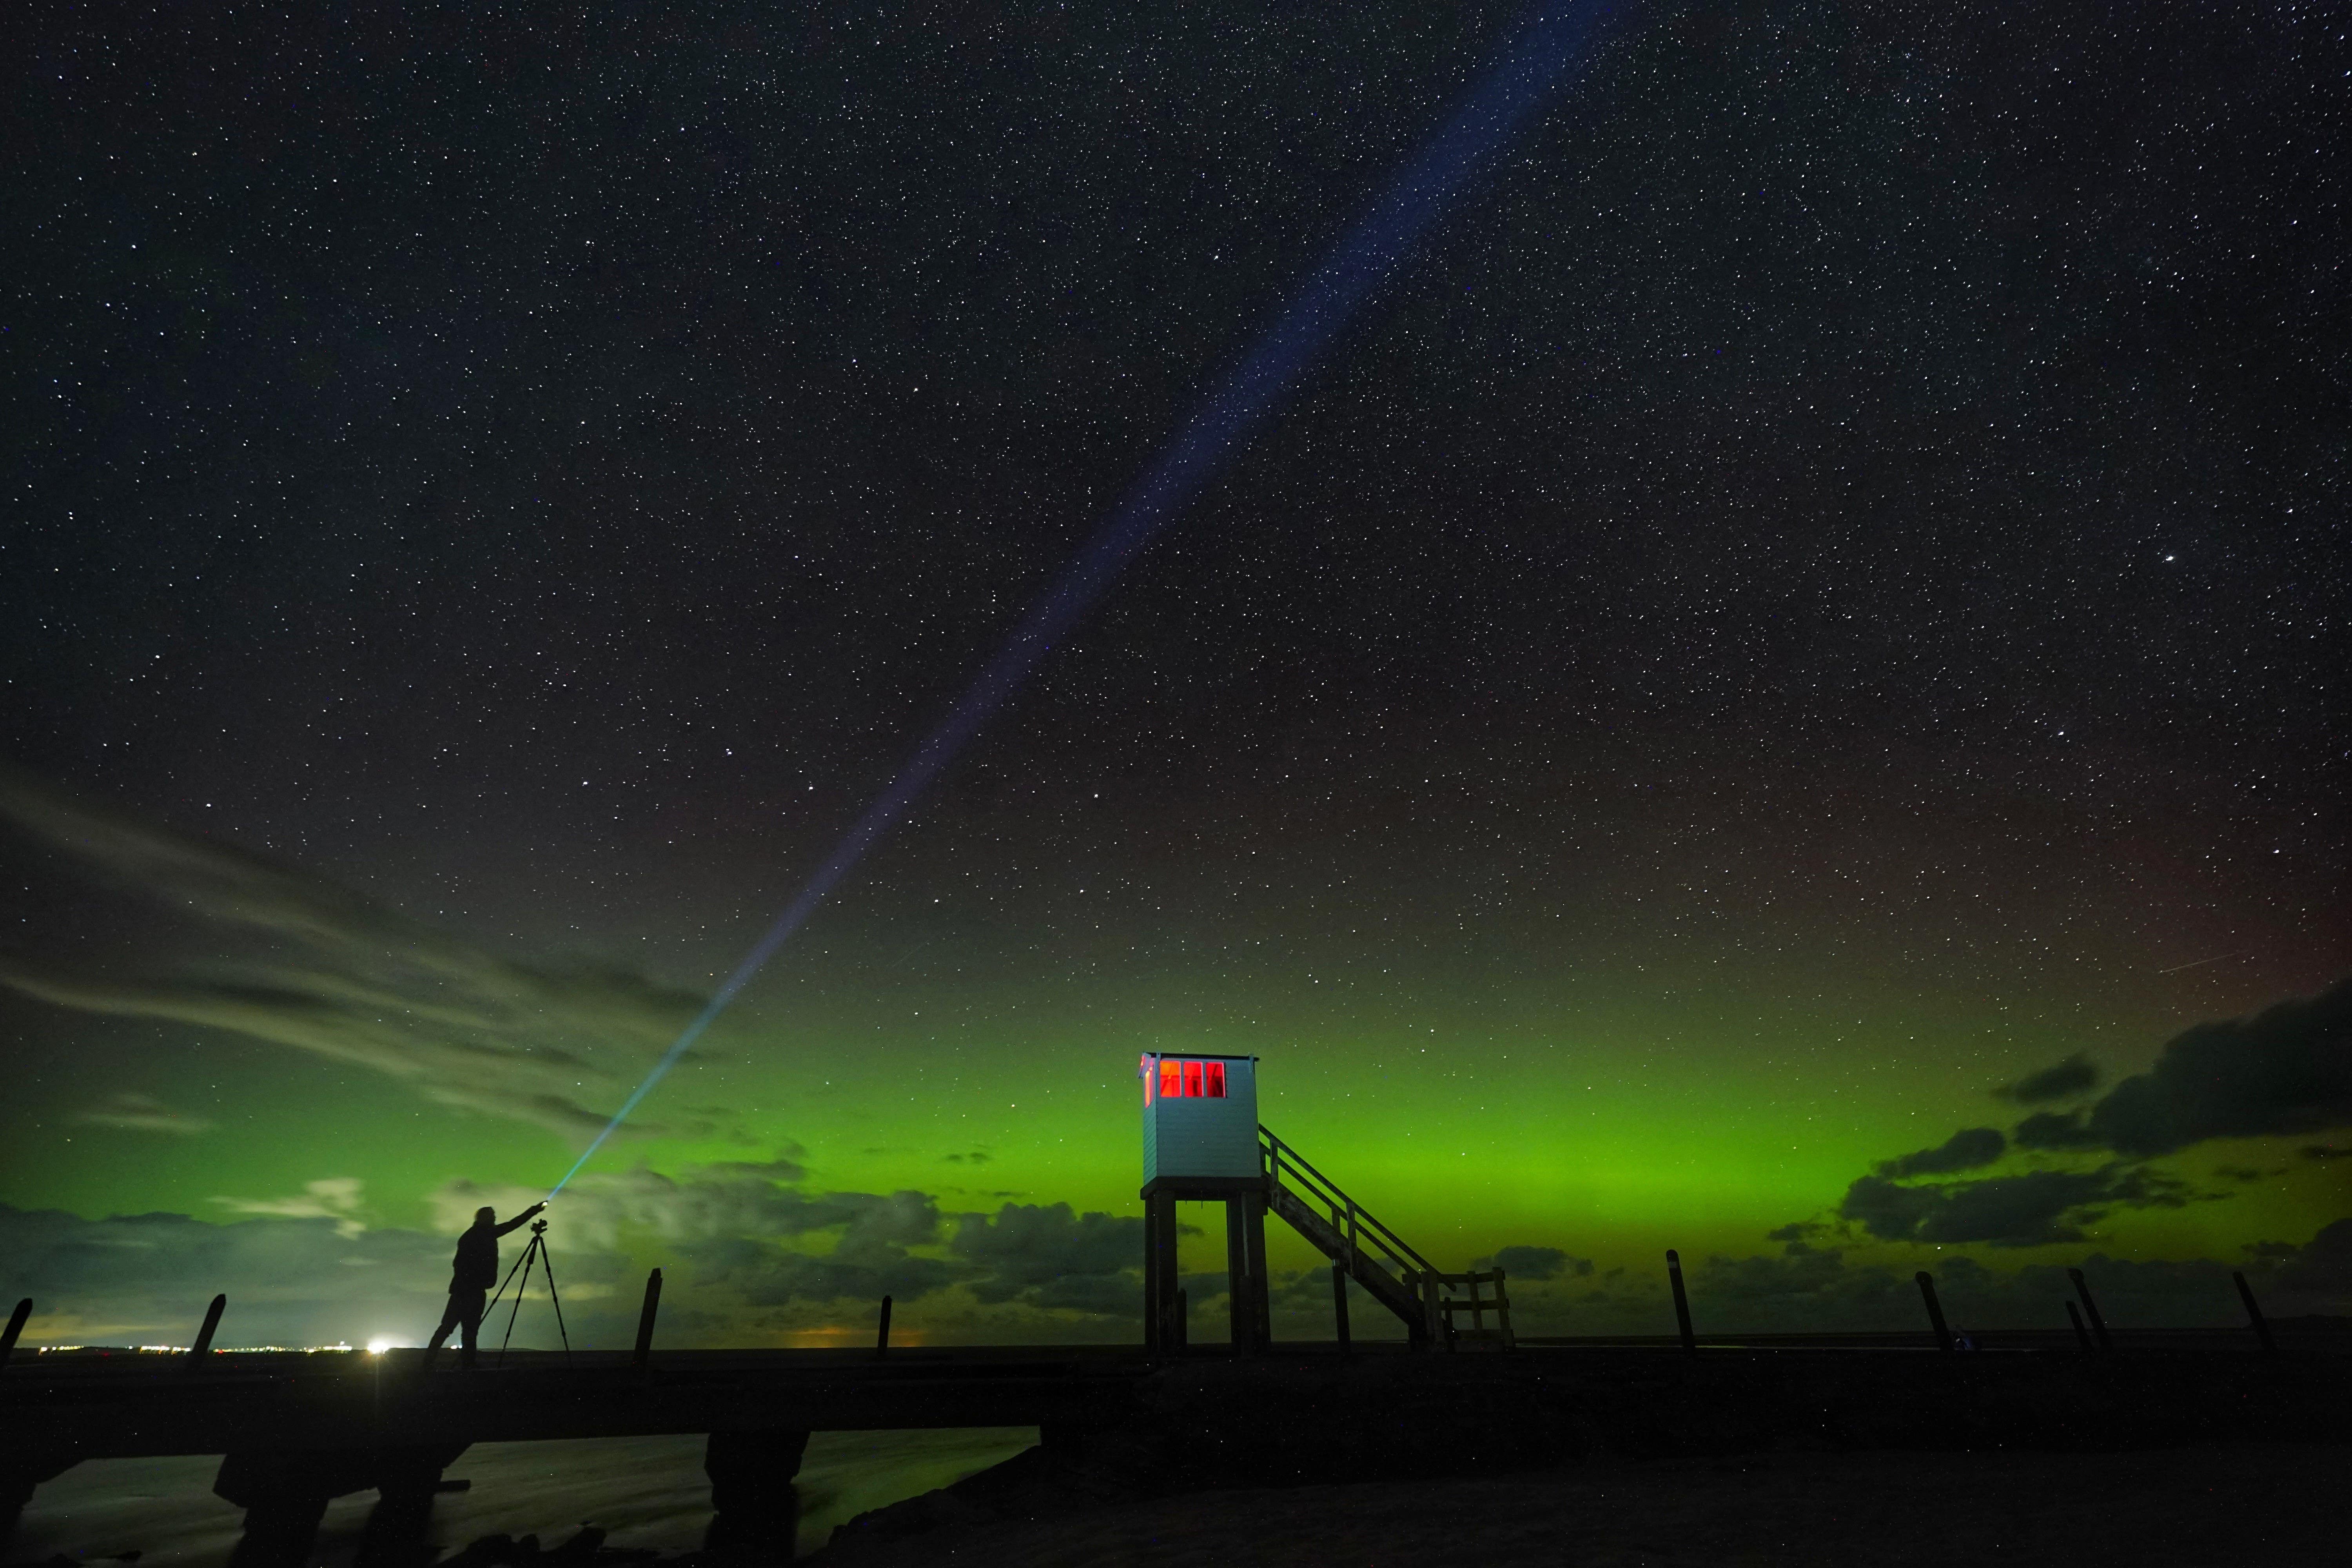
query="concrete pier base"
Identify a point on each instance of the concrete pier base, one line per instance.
(285, 1493)
(755, 1507)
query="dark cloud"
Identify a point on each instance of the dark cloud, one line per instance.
(339, 976)
(1048, 1256)
(2323, 1152)
(1536, 1263)
(1804, 1285)
(2034, 1209)
(2286, 1070)
(2054, 1129)
(2321, 1267)
(782, 1277)
(1970, 1149)
(1119, 1294)
(1887, 1209)
(2068, 1079)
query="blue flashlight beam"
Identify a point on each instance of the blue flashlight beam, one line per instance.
(1540, 59)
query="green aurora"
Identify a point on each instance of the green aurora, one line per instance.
(1540, 1067)
(1803, 610)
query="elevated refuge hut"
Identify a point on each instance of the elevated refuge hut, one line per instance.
(1200, 1145)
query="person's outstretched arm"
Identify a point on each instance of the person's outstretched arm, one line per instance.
(520, 1218)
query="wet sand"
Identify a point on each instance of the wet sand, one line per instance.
(647, 1492)
(2241, 1505)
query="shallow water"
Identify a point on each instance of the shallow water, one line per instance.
(646, 1491)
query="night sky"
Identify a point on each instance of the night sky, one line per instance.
(1779, 693)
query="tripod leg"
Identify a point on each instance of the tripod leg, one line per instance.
(519, 1266)
(516, 1312)
(512, 1268)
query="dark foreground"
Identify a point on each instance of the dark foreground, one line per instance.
(2239, 1505)
(1554, 1454)
(1725, 1458)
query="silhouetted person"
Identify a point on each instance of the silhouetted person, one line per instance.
(472, 1273)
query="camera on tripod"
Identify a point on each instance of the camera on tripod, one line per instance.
(534, 1255)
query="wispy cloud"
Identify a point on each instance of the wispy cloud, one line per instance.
(335, 1198)
(146, 1277)
(2075, 1075)
(143, 1113)
(322, 970)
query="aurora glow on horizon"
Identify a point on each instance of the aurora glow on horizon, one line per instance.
(1755, 703)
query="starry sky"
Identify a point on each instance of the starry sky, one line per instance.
(1772, 694)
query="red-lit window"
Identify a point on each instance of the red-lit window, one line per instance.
(1212, 1079)
(1172, 1080)
(1192, 1080)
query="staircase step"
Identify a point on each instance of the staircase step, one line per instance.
(1377, 1281)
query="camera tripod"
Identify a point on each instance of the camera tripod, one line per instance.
(522, 1266)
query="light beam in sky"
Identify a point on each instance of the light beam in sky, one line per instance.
(1534, 64)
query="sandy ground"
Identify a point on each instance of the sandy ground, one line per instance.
(2237, 1506)
(647, 1492)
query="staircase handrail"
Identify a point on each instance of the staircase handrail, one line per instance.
(1278, 1156)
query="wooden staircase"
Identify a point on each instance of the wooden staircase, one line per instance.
(1375, 1256)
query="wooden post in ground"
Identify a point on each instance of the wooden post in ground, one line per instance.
(1163, 1332)
(643, 1358)
(2254, 1314)
(16, 1321)
(1155, 1311)
(1247, 1294)
(1261, 1294)
(1934, 1310)
(1176, 1306)
(2082, 1334)
(1340, 1304)
(882, 1333)
(197, 1351)
(1682, 1299)
(2091, 1309)
(1244, 1331)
